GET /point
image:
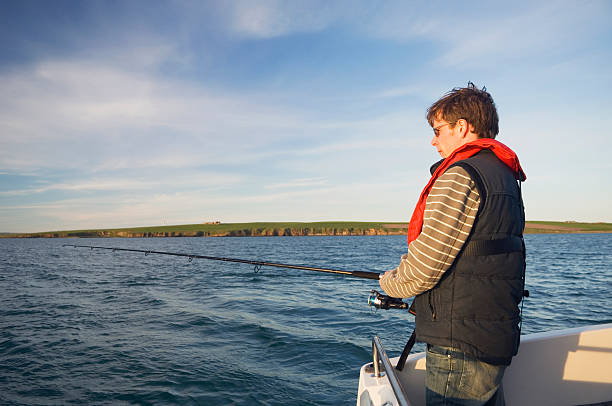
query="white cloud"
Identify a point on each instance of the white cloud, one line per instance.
(399, 91)
(158, 182)
(97, 117)
(501, 33)
(322, 202)
(468, 34)
(83, 114)
(298, 183)
(274, 18)
(78, 96)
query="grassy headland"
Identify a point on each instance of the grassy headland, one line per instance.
(292, 229)
(566, 227)
(236, 230)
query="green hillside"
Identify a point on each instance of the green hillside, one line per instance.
(261, 229)
(236, 230)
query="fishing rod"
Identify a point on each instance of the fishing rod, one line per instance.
(376, 299)
(258, 264)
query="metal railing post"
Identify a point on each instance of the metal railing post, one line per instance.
(379, 354)
(375, 360)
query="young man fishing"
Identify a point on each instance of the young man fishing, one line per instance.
(466, 257)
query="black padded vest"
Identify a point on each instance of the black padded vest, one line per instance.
(475, 306)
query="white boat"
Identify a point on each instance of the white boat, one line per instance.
(557, 368)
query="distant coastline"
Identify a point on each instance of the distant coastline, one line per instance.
(260, 229)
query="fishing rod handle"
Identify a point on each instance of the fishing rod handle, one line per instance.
(366, 275)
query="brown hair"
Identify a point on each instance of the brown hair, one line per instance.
(471, 104)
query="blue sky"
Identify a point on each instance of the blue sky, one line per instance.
(135, 113)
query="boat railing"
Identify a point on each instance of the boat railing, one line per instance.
(379, 358)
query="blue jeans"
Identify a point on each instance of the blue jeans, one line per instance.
(456, 378)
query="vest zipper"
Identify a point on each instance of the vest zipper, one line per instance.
(431, 306)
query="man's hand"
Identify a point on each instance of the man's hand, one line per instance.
(390, 272)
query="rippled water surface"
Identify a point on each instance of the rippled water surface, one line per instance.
(96, 327)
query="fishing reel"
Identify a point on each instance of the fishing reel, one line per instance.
(380, 301)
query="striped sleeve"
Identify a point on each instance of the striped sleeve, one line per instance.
(450, 211)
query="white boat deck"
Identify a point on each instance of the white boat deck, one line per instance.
(567, 367)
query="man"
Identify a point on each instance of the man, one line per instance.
(465, 262)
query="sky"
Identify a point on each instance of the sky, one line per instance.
(141, 113)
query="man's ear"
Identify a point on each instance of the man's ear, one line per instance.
(463, 127)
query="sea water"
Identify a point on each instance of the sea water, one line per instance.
(81, 326)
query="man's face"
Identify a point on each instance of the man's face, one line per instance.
(445, 139)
